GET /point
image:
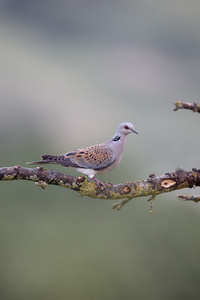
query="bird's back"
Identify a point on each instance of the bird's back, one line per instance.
(96, 157)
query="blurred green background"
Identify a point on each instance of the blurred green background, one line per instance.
(71, 71)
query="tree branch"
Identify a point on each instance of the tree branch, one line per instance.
(152, 186)
(195, 107)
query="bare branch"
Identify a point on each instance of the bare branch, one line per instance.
(195, 107)
(152, 186)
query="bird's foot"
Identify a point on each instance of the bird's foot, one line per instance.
(100, 184)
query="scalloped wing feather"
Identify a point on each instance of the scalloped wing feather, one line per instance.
(95, 157)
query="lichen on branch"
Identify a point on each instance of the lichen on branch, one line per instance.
(152, 186)
(195, 107)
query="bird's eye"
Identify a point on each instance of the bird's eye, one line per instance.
(126, 127)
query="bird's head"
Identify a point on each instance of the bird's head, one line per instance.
(126, 128)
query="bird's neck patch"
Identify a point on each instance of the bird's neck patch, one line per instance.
(116, 138)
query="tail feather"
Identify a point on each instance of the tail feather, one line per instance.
(46, 159)
(55, 159)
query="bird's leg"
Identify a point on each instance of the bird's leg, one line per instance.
(99, 183)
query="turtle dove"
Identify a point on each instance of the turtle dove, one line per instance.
(95, 159)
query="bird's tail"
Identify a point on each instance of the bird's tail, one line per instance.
(46, 159)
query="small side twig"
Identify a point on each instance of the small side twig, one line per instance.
(189, 198)
(195, 107)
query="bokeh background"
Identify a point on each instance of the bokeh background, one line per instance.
(71, 71)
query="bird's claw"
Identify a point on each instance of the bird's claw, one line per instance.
(100, 184)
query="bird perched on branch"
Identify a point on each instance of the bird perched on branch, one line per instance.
(95, 159)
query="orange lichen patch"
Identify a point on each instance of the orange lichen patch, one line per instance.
(80, 179)
(40, 168)
(167, 183)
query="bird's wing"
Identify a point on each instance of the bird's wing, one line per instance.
(94, 157)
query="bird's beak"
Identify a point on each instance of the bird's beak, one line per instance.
(135, 131)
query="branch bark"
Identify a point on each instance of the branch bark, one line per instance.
(195, 107)
(152, 186)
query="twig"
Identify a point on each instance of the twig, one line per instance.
(189, 198)
(195, 107)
